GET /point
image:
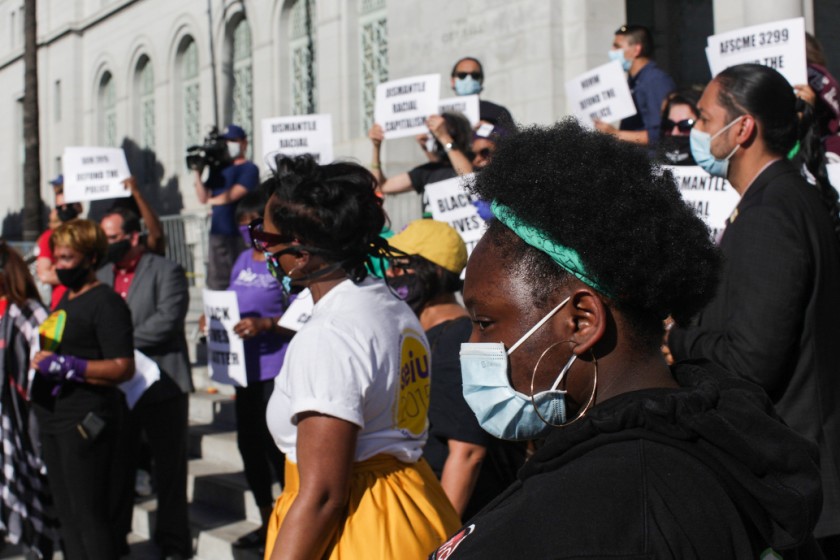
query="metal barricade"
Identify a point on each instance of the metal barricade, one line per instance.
(186, 243)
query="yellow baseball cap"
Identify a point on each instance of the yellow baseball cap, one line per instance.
(435, 241)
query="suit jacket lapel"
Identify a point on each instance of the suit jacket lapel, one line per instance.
(142, 266)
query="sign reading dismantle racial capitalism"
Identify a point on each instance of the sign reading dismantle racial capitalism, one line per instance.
(403, 105)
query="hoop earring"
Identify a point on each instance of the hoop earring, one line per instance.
(562, 374)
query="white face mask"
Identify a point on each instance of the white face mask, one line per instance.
(234, 149)
(502, 411)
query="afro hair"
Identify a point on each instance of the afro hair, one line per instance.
(608, 201)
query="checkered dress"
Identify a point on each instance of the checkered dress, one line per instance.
(26, 515)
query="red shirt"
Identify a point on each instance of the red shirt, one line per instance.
(44, 252)
(124, 274)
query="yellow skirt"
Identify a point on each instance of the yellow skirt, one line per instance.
(396, 510)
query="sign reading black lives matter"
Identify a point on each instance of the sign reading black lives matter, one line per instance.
(600, 94)
(712, 198)
(296, 135)
(452, 203)
(225, 350)
(94, 173)
(779, 45)
(403, 105)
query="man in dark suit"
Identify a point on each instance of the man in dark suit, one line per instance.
(156, 291)
(774, 319)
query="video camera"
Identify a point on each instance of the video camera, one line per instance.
(213, 153)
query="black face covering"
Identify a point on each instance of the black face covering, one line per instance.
(67, 212)
(118, 250)
(676, 150)
(411, 290)
(73, 278)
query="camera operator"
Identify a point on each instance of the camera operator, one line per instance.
(223, 189)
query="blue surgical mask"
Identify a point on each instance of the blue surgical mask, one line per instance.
(502, 411)
(618, 54)
(701, 149)
(467, 86)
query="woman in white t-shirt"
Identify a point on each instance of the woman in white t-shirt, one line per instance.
(349, 406)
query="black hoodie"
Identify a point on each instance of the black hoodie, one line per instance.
(704, 471)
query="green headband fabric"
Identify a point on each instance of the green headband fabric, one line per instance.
(566, 257)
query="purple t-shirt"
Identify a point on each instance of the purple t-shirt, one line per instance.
(259, 295)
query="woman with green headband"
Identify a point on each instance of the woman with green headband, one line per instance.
(591, 250)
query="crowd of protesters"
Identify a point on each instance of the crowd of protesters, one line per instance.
(598, 379)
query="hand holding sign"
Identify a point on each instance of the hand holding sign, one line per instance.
(94, 173)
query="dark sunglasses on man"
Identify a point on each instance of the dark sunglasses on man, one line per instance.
(683, 126)
(475, 75)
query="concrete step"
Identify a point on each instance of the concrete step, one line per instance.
(214, 444)
(215, 408)
(220, 486)
(214, 531)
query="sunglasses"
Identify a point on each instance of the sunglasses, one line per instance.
(684, 125)
(261, 240)
(462, 75)
(484, 153)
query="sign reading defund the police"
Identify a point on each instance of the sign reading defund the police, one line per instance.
(600, 94)
(779, 45)
(467, 105)
(452, 203)
(94, 173)
(225, 350)
(403, 105)
(296, 135)
(713, 198)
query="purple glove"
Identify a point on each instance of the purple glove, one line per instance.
(484, 210)
(60, 368)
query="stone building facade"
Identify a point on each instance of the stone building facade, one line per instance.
(153, 75)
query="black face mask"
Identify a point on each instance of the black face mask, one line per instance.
(73, 278)
(411, 290)
(118, 250)
(676, 150)
(66, 212)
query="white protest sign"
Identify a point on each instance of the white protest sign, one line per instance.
(402, 105)
(298, 312)
(225, 350)
(452, 203)
(601, 93)
(779, 45)
(713, 198)
(94, 173)
(467, 105)
(146, 374)
(833, 170)
(296, 135)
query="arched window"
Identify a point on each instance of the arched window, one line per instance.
(107, 133)
(190, 93)
(242, 86)
(302, 52)
(374, 50)
(145, 103)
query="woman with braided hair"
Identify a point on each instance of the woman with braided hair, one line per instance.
(350, 403)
